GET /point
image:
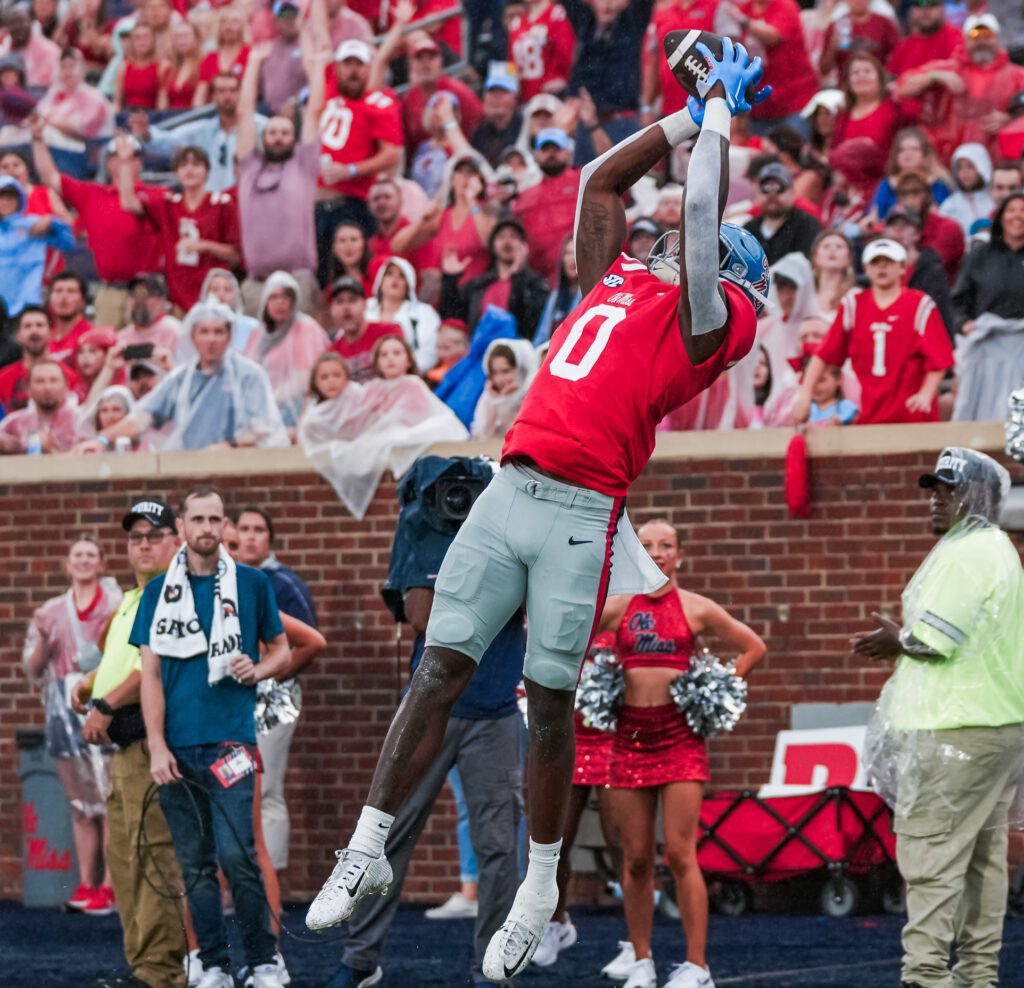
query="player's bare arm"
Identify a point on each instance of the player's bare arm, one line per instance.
(600, 215)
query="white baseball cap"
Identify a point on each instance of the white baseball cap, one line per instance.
(984, 21)
(884, 247)
(354, 48)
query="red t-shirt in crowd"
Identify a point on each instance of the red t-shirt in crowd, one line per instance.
(880, 125)
(414, 102)
(541, 48)
(917, 49)
(946, 237)
(141, 85)
(359, 355)
(698, 15)
(497, 294)
(14, 385)
(352, 130)
(787, 66)
(891, 350)
(548, 211)
(1010, 141)
(64, 348)
(877, 36)
(420, 258)
(123, 244)
(210, 65)
(215, 218)
(615, 368)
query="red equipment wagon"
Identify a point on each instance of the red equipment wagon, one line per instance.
(843, 834)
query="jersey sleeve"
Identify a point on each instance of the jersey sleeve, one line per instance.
(934, 343)
(154, 208)
(73, 191)
(231, 232)
(385, 118)
(833, 348)
(561, 45)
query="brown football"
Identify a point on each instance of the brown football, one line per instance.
(687, 64)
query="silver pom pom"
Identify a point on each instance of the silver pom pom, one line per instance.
(275, 705)
(710, 695)
(1014, 427)
(600, 692)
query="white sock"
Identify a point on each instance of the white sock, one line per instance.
(542, 867)
(371, 832)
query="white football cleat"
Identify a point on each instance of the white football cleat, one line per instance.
(355, 876)
(512, 947)
(619, 967)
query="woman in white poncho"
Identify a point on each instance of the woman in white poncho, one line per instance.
(286, 343)
(510, 366)
(394, 301)
(353, 432)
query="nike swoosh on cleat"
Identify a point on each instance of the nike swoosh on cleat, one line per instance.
(573, 541)
(510, 972)
(352, 889)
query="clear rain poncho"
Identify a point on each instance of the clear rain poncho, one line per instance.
(71, 651)
(352, 439)
(965, 604)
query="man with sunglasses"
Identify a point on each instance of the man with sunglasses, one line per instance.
(781, 226)
(152, 930)
(278, 181)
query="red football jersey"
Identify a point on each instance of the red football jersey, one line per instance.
(352, 130)
(215, 218)
(698, 16)
(615, 368)
(891, 350)
(542, 49)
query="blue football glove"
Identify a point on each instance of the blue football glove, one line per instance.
(736, 72)
(696, 108)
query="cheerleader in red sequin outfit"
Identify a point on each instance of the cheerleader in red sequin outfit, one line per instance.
(655, 753)
(591, 771)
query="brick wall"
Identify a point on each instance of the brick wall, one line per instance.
(803, 585)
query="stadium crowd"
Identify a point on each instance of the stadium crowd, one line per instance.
(218, 222)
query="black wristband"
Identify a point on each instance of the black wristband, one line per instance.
(103, 707)
(597, 126)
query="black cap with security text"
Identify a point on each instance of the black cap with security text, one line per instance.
(958, 466)
(157, 512)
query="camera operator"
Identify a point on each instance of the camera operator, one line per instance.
(482, 738)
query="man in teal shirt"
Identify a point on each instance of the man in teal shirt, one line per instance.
(947, 743)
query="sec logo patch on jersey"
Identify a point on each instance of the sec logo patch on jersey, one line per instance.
(613, 280)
